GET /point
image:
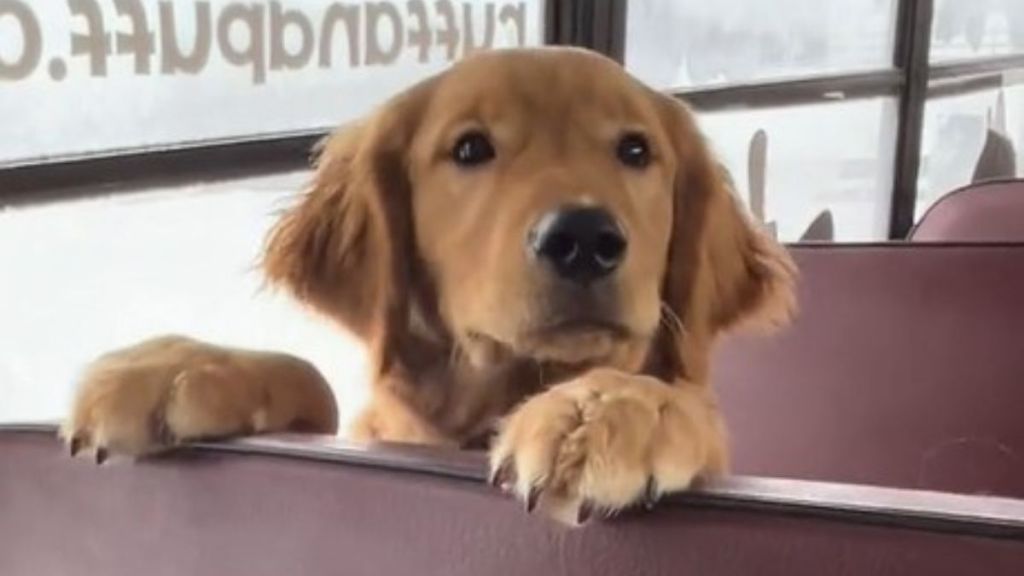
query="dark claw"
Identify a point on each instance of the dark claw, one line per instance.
(650, 494)
(74, 445)
(532, 497)
(162, 433)
(101, 455)
(585, 512)
(501, 476)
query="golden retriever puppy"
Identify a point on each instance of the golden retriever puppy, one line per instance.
(539, 251)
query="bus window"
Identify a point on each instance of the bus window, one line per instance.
(845, 177)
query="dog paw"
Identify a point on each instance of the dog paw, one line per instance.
(605, 442)
(167, 391)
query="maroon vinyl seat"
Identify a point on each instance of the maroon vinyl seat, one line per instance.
(315, 506)
(904, 368)
(984, 212)
(904, 371)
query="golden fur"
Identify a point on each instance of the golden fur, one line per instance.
(424, 260)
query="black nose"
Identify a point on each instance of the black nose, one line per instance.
(582, 244)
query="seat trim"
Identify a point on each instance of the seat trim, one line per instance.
(974, 515)
(953, 197)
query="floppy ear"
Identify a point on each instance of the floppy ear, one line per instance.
(344, 248)
(724, 271)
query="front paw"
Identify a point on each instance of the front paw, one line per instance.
(604, 442)
(166, 391)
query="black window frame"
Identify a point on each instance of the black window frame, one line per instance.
(913, 79)
(597, 24)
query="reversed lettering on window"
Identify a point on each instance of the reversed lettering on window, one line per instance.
(187, 70)
(262, 37)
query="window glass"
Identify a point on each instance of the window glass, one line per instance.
(109, 272)
(968, 138)
(821, 172)
(97, 76)
(691, 43)
(977, 28)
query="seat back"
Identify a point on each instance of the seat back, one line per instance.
(904, 368)
(314, 506)
(983, 212)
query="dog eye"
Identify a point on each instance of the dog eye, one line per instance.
(472, 149)
(633, 150)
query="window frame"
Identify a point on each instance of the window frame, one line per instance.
(597, 24)
(912, 79)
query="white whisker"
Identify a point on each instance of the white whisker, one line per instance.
(672, 322)
(456, 355)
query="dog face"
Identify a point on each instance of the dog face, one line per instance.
(542, 205)
(535, 204)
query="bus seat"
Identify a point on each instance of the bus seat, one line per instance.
(903, 371)
(315, 506)
(990, 211)
(905, 367)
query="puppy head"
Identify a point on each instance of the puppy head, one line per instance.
(529, 203)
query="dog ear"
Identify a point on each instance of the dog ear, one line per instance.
(345, 247)
(724, 271)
